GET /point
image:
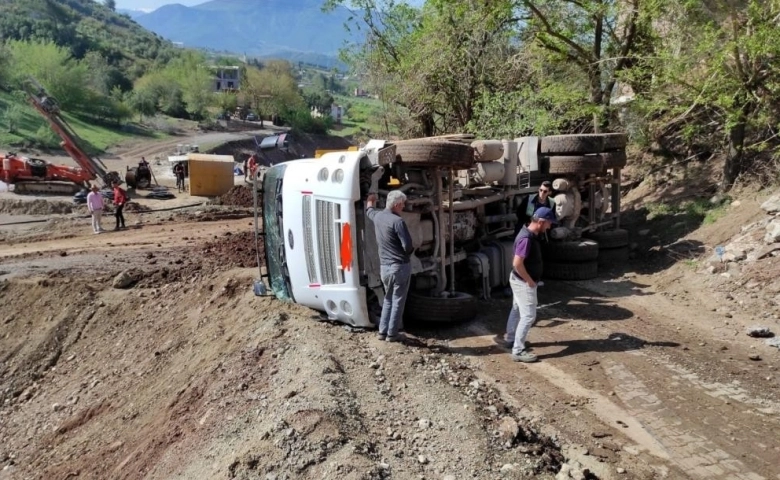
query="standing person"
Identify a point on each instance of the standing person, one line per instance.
(526, 273)
(178, 170)
(252, 164)
(95, 206)
(532, 202)
(246, 165)
(395, 249)
(120, 199)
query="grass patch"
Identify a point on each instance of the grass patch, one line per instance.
(363, 117)
(31, 130)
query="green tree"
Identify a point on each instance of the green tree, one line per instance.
(435, 63)
(63, 77)
(111, 4)
(603, 38)
(717, 81)
(143, 101)
(274, 89)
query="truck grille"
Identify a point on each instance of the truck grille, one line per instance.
(308, 239)
(329, 242)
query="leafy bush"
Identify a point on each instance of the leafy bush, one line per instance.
(45, 138)
(301, 120)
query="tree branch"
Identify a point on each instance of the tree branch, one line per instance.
(555, 34)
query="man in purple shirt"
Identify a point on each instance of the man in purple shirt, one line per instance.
(95, 206)
(526, 273)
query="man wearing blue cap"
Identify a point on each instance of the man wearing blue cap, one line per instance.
(526, 272)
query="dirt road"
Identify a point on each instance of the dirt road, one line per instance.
(189, 375)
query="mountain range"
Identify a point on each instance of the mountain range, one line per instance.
(296, 30)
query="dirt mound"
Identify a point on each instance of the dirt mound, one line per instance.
(136, 207)
(35, 207)
(238, 196)
(234, 250)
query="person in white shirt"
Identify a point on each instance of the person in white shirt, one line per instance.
(95, 206)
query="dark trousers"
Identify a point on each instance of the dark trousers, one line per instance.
(180, 181)
(120, 219)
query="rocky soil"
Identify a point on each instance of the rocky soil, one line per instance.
(145, 354)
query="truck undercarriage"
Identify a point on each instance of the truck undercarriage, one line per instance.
(463, 199)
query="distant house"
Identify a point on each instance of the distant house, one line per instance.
(226, 79)
(359, 92)
(336, 111)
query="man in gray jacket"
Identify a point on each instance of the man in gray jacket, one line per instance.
(395, 249)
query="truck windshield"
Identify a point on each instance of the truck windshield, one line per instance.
(274, 233)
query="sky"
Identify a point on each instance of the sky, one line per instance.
(149, 5)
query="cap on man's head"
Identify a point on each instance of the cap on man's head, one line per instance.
(544, 213)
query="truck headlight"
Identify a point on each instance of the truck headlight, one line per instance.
(323, 175)
(338, 176)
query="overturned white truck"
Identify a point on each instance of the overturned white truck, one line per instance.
(464, 197)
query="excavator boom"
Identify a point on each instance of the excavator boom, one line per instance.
(48, 107)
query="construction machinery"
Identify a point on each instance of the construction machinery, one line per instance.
(32, 175)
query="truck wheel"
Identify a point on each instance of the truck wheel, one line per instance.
(610, 238)
(616, 159)
(575, 164)
(571, 271)
(614, 258)
(578, 251)
(435, 153)
(143, 182)
(460, 307)
(585, 143)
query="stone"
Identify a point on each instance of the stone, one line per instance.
(424, 423)
(755, 357)
(57, 407)
(772, 232)
(772, 204)
(507, 467)
(124, 279)
(644, 232)
(508, 429)
(422, 459)
(621, 470)
(758, 331)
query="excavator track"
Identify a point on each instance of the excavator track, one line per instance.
(62, 188)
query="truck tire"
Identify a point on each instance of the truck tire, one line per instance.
(584, 143)
(610, 238)
(420, 308)
(575, 164)
(614, 258)
(577, 251)
(435, 153)
(571, 271)
(615, 159)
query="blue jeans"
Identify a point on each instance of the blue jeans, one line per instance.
(395, 279)
(525, 301)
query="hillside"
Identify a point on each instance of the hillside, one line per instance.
(82, 26)
(292, 29)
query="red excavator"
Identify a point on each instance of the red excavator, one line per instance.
(32, 175)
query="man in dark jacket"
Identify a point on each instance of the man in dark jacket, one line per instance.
(543, 198)
(526, 273)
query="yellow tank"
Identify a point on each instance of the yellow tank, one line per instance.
(210, 175)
